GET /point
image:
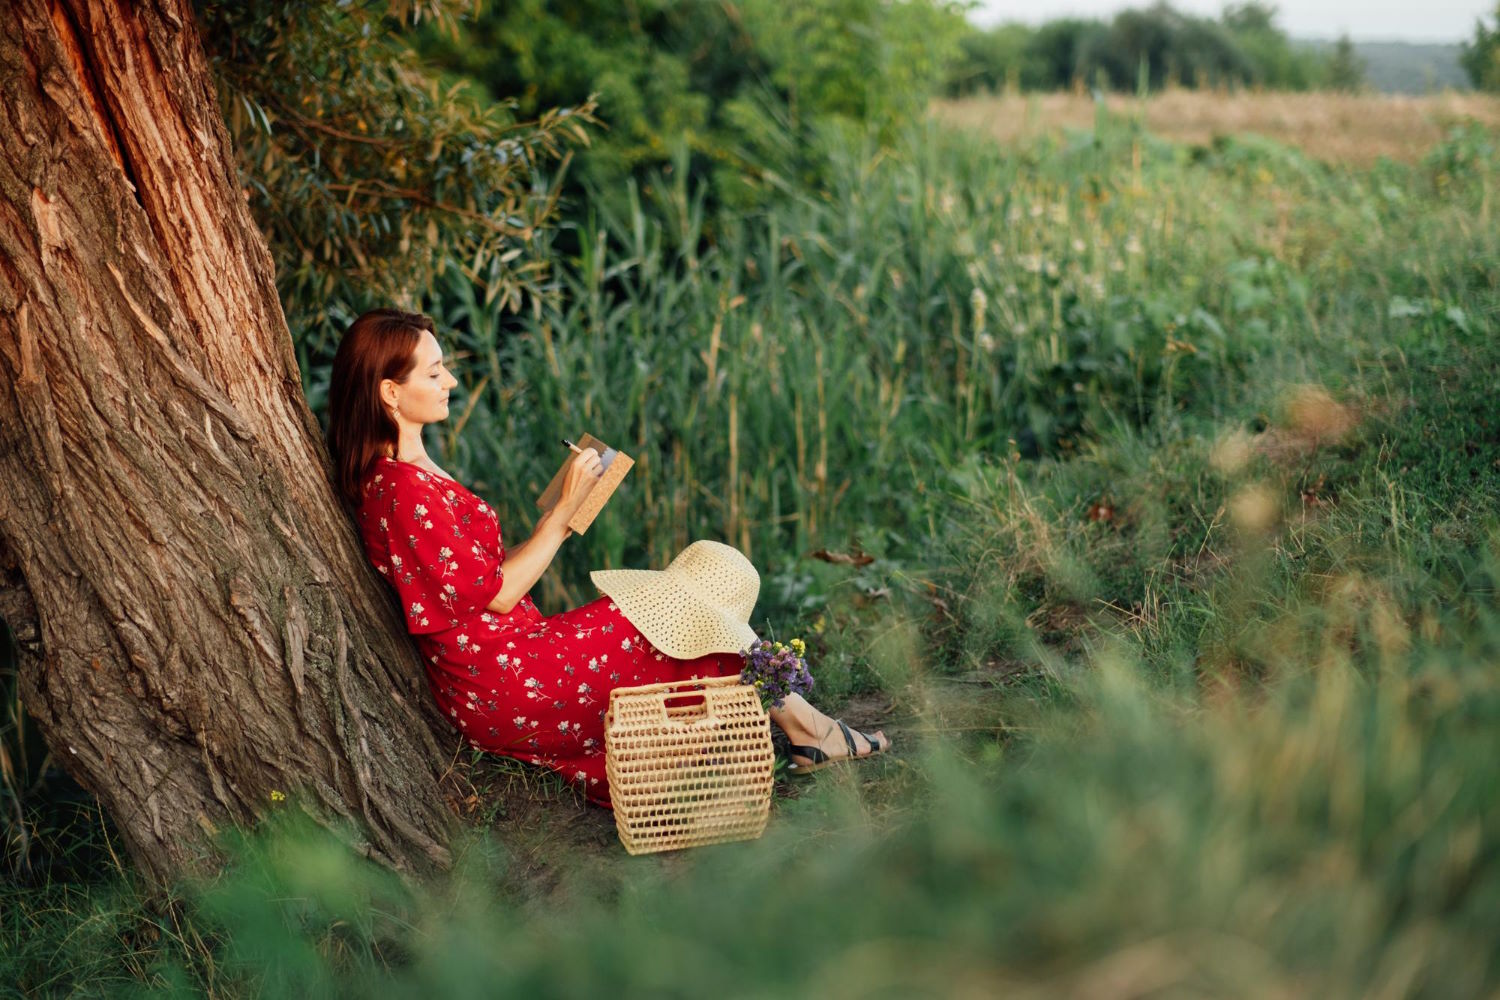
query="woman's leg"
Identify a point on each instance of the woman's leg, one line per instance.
(806, 726)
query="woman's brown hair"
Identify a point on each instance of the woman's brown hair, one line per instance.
(381, 344)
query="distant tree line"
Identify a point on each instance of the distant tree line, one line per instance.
(1151, 47)
(1481, 56)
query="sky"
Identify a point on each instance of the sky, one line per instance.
(1363, 20)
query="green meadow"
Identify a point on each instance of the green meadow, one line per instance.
(1147, 493)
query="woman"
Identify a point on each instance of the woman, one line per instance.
(511, 680)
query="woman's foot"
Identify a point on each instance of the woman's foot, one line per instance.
(838, 742)
(817, 741)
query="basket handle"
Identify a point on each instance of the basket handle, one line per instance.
(712, 689)
(707, 683)
(713, 704)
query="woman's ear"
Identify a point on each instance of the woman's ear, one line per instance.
(388, 392)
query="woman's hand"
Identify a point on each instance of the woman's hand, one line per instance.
(583, 472)
(525, 563)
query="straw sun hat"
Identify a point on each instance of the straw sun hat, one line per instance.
(699, 604)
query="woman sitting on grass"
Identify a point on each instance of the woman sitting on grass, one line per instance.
(511, 680)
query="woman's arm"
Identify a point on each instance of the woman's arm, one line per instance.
(525, 564)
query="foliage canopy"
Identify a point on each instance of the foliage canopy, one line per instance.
(370, 175)
(732, 92)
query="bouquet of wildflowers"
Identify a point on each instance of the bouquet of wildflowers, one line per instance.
(776, 670)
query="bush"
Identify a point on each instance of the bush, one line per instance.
(735, 89)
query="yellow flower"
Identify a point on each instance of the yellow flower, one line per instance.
(799, 647)
(278, 796)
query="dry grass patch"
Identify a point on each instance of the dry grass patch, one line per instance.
(1356, 129)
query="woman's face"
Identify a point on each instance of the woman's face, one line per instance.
(423, 397)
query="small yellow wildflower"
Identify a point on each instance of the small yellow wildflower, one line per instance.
(278, 796)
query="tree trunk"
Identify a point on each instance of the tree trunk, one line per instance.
(199, 626)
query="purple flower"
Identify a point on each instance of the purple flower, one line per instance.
(776, 670)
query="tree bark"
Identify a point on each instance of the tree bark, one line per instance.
(199, 626)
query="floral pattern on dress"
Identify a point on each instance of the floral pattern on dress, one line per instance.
(520, 684)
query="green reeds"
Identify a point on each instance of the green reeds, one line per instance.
(801, 378)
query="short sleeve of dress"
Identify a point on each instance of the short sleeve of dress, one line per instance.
(442, 574)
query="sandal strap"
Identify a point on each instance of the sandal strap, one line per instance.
(848, 739)
(813, 754)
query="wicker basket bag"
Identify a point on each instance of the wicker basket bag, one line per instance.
(689, 763)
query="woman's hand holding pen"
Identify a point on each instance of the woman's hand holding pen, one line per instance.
(583, 472)
(525, 563)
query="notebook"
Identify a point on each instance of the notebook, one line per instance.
(616, 463)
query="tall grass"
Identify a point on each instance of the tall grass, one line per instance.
(813, 376)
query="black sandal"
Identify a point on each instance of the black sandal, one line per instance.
(820, 760)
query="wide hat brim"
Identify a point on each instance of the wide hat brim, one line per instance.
(672, 618)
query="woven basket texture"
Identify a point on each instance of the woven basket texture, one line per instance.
(689, 763)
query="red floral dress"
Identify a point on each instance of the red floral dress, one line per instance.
(519, 684)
